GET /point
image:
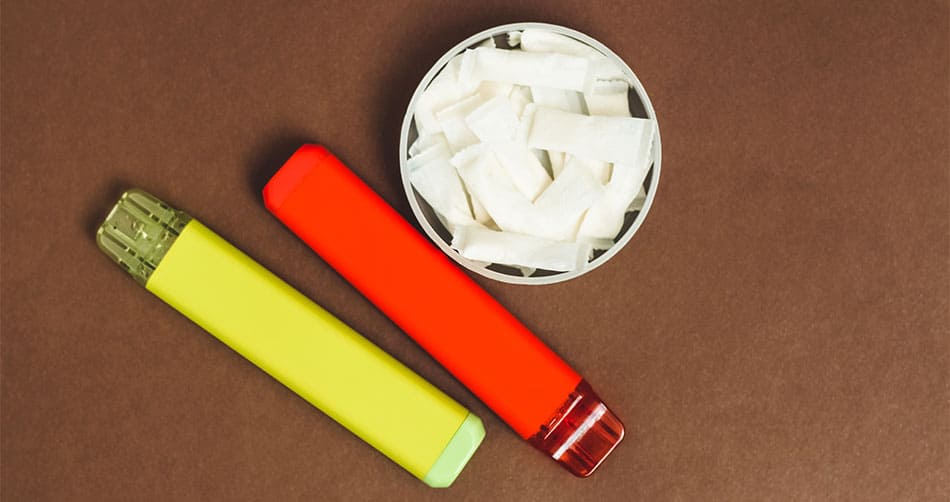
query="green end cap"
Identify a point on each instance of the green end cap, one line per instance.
(139, 231)
(456, 454)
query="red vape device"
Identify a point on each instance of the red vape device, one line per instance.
(442, 309)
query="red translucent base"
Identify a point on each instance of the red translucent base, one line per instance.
(581, 434)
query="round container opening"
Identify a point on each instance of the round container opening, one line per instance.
(640, 107)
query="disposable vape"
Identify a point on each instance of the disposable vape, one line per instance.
(291, 338)
(442, 309)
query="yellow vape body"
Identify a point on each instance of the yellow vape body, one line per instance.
(291, 338)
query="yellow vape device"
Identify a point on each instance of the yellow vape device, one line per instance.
(291, 338)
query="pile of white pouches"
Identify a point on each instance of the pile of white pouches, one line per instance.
(528, 155)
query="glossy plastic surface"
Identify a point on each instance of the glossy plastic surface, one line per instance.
(420, 289)
(581, 434)
(296, 341)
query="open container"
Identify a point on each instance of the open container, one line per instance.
(640, 107)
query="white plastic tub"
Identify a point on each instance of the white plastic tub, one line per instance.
(640, 106)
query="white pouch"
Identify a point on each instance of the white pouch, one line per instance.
(569, 101)
(423, 143)
(510, 248)
(494, 121)
(608, 105)
(520, 96)
(488, 182)
(490, 90)
(598, 168)
(605, 219)
(452, 120)
(524, 169)
(436, 151)
(444, 90)
(557, 162)
(439, 184)
(535, 40)
(563, 204)
(525, 68)
(610, 139)
(639, 200)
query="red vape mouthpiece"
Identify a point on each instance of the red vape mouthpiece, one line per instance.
(442, 309)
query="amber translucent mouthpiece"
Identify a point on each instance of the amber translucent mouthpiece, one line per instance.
(581, 434)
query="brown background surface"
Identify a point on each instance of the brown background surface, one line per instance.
(777, 330)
